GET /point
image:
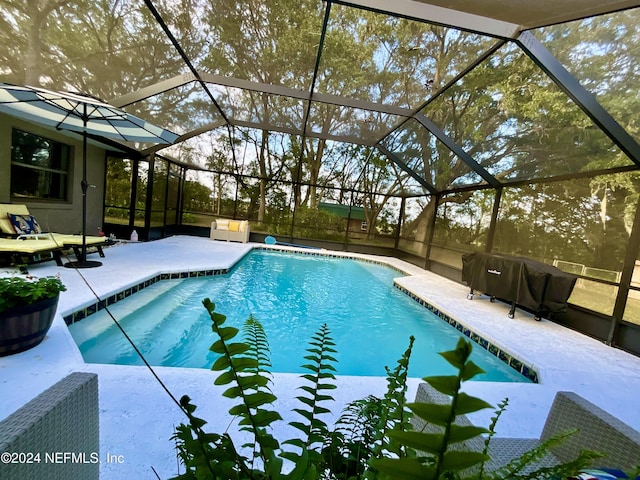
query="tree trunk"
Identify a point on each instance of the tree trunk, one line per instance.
(314, 173)
(262, 159)
(421, 225)
(32, 59)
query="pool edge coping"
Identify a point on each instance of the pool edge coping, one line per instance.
(503, 354)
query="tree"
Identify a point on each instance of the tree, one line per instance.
(26, 35)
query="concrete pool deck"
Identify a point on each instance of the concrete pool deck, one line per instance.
(137, 417)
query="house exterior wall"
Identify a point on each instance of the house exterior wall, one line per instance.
(355, 225)
(58, 216)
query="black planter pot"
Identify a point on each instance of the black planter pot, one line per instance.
(24, 327)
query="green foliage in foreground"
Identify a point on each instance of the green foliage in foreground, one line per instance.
(372, 439)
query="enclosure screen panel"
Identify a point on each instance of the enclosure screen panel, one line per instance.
(602, 53)
(516, 123)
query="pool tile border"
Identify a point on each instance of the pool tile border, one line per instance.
(84, 312)
(525, 370)
(522, 368)
(327, 253)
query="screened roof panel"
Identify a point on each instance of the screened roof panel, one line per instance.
(122, 49)
(410, 186)
(425, 154)
(382, 178)
(530, 14)
(343, 164)
(515, 122)
(262, 41)
(188, 22)
(182, 110)
(468, 179)
(602, 53)
(401, 64)
(259, 108)
(209, 150)
(363, 126)
(277, 165)
(404, 145)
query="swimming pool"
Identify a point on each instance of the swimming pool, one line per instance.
(292, 295)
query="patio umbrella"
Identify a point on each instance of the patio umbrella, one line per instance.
(85, 115)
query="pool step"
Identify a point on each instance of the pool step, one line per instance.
(100, 321)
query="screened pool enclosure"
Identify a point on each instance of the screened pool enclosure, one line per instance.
(417, 129)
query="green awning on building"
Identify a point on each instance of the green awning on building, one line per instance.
(342, 211)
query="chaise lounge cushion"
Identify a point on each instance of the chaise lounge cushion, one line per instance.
(29, 245)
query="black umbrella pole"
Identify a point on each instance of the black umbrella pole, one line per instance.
(85, 187)
(82, 261)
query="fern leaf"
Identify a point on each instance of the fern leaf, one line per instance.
(425, 442)
(266, 417)
(221, 363)
(245, 367)
(444, 384)
(259, 345)
(461, 433)
(404, 469)
(431, 412)
(470, 370)
(468, 404)
(226, 334)
(226, 378)
(314, 430)
(454, 461)
(244, 364)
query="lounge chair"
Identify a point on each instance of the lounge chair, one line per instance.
(15, 251)
(597, 430)
(17, 247)
(75, 242)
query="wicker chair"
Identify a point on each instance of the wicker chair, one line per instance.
(597, 430)
(56, 433)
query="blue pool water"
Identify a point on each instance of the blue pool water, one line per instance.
(292, 295)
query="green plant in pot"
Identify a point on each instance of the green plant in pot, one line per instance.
(27, 308)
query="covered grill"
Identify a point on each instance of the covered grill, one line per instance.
(533, 285)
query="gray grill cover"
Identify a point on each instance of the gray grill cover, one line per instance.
(533, 285)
